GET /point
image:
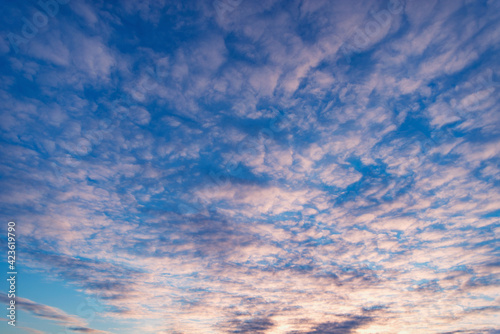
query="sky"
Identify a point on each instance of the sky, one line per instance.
(264, 167)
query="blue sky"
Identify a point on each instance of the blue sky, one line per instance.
(241, 166)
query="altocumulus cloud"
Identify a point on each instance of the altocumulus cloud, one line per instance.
(257, 166)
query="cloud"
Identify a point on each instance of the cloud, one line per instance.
(346, 326)
(71, 322)
(256, 325)
(242, 173)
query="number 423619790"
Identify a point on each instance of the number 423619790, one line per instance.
(12, 245)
